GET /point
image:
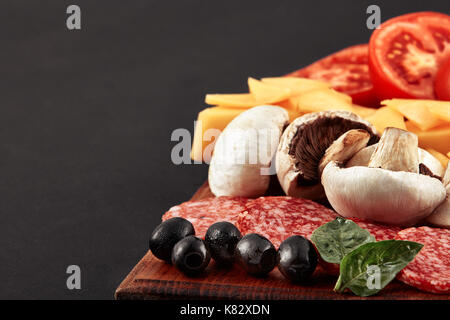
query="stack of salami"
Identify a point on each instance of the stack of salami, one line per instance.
(278, 218)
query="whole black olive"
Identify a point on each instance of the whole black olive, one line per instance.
(190, 255)
(221, 239)
(256, 254)
(167, 234)
(297, 259)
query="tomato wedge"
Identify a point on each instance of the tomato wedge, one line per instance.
(442, 83)
(405, 54)
(347, 71)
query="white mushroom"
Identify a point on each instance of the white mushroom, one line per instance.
(391, 189)
(429, 163)
(244, 151)
(441, 216)
(426, 160)
(344, 147)
(303, 145)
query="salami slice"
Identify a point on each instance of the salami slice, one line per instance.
(278, 218)
(430, 269)
(379, 231)
(205, 212)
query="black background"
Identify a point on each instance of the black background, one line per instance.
(86, 118)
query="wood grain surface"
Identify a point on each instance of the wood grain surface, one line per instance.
(154, 279)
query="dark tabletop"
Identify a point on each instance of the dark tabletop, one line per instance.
(86, 118)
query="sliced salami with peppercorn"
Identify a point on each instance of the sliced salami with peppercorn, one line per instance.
(278, 218)
(203, 213)
(430, 269)
(379, 231)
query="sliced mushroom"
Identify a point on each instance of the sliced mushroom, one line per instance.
(397, 151)
(390, 189)
(244, 151)
(426, 159)
(362, 157)
(344, 147)
(441, 216)
(303, 145)
(431, 163)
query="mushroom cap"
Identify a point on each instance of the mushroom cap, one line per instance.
(433, 164)
(441, 216)
(392, 197)
(362, 158)
(303, 144)
(244, 150)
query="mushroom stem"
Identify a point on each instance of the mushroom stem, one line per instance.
(343, 148)
(362, 158)
(396, 151)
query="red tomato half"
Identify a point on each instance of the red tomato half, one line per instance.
(442, 83)
(347, 71)
(405, 54)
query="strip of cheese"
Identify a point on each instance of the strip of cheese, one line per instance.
(436, 138)
(419, 111)
(363, 112)
(441, 111)
(296, 85)
(386, 117)
(267, 93)
(238, 100)
(322, 100)
(210, 121)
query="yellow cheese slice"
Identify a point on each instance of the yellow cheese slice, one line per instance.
(441, 157)
(322, 100)
(363, 112)
(436, 138)
(442, 111)
(386, 117)
(260, 93)
(417, 111)
(240, 100)
(296, 85)
(293, 114)
(210, 122)
(267, 93)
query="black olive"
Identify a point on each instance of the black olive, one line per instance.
(297, 259)
(256, 254)
(221, 239)
(167, 234)
(190, 255)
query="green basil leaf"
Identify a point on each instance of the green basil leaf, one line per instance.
(369, 268)
(336, 238)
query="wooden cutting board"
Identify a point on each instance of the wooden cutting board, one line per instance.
(154, 279)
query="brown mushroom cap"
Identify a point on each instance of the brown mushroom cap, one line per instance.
(303, 145)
